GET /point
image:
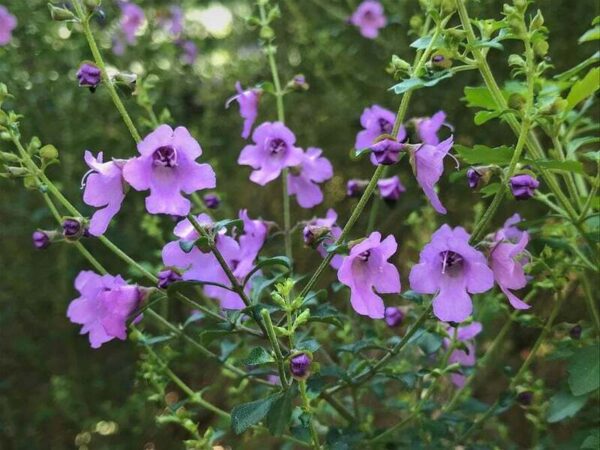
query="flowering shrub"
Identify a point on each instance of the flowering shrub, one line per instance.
(362, 337)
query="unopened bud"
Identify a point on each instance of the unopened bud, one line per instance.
(60, 14)
(73, 229)
(541, 48)
(267, 33)
(441, 59)
(48, 153)
(300, 365)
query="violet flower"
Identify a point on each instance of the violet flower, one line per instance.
(190, 52)
(473, 177)
(167, 277)
(451, 269)
(376, 121)
(369, 18)
(509, 230)
(428, 165)
(273, 151)
(393, 316)
(523, 186)
(104, 304)
(466, 358)
(366, 272)
(132, 18)
(89, 76)
(355, 188)
(390, 189)
(41, 239)
(385, 152)
(173, 24)
(428, 127)
(104, 189)
(8, 23)
(329, 222)
(313, 169)
(248, 100)
(506, 260)
(167, 166)
(211, 201)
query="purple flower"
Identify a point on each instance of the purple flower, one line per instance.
(509, 231)
(523, 186)
(507, 264)
(329, 223)
(167, 166)
(355, 188)
(211, 201)
(104, 304)
(313, 169)
(369, 18)
(167, 277)
(428, 166)
(451, 269)
(273, 150)
(466, 358)
(190, 52)
(428, 127)
(473, 177)
(393, 316)
(300, 365)
(8, 22)
(104, 189)
(385, 152)
(390, 189)
(89, 75)
(174, 23)
(376, 121)
(41, 239)
(366, 271)
(248, 101)
(132, 18)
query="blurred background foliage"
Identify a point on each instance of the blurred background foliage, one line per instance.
(56, 393)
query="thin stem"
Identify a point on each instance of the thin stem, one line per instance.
(275, 344)
(306, 406)
(591, 303)
(85, 23)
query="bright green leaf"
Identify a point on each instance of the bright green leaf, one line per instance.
(584, 370)
(481, 154)
(593, 34)
(423, 42)
(417, 83)
(582, 89)
(564, 405)
(258, 355)
(479, 97)
(566, 166)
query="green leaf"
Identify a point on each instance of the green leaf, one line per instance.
(247, 414)
(417, 83)
(593, 156)
(482, 117)
(258, 355)
(482, 154)
(595, 58)
(582, 89)
(229, 224)
(593, 34)
(566, 166)
(489, 190)
(479, 97)
(274, 261)
(280, 413)
(592, 441)
(564, 405)
(423, 42)
(584, 370)
(575, 144)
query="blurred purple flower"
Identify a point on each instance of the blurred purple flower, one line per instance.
(390, 189)
(466, 358)
(329, 221)
(104, 304)
(273, 150)
(190, 51)
(366, 272)
(167, 277)
(509, 231)
(393, 316)
(506, 261)
(104, 188)
(369, 18)
(248, 100)
(385, 152)
(313, 169)
(523, 186)
(451, 269)
(428, 166)
(167, 166)
(428, 127)
(132, 18)
(376, 121)
(211, 201)
(8, 23)
(355, 188)
(174, 22)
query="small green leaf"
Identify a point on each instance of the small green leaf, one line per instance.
(582, 89)
(247, 414)
(280, 413)
(489, 190)
(566, 166)
(423, 42)
(482, 117)
(267, 262)
(417, 83)
(258, 355)
(584, 370)
(229, 224)
(479, 97)
(564, 405)
(593, 34)
(482, 154)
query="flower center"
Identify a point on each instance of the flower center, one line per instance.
(452, 263)
(385, 126)
(364, 256)
(277, 146)
(165, 156)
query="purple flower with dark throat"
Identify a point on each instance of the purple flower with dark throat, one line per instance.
(313, 169)
(8, 23)
(507, 261)
(167, 166)
(428, 165)
(89, 76)
(104, 189)
(428, 127)
(467, 357)
(366, 272)
(390, 189)
(386, 152)
(103, 307)
(273, 151)
(369, 18)
(333, 231)
(523, 186)
(248, 100)
(376, 121)
(451, 269)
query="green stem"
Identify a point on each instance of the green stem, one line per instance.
(591, 303)
(275, 344)
(306, 406)
(85, 23)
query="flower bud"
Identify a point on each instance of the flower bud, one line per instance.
(73, 229)
(48, 153)
(523, 186)
(9, 157)
(516, 101)
(298, 83)
(267, 33)
(398, 67)
(541, 48)
(386, 152)
(41, 239)
(314, 234)
(575, 332)
(211, 201)
(478, 176)
(167, 277)
(393, 316)
(355, 188)
(525, 398)
(60, 14)
(537, 22)
(300, 366)
(89, 75)
(441, 59)
(416, 22)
